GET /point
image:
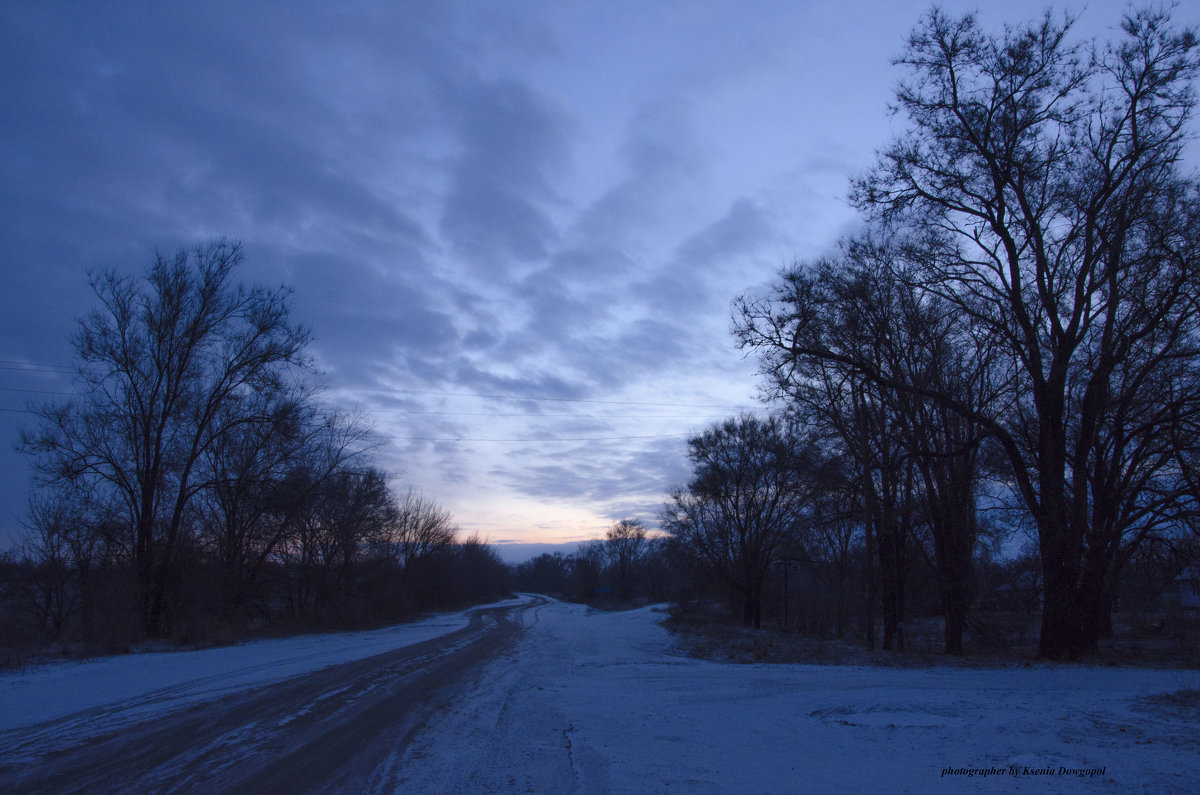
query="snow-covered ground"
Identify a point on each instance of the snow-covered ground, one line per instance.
(588, 701)
(153, 683)
(597, 702)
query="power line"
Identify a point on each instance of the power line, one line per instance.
(489, 396)
(38, 370)
(535, 441)
(528, 415)
(407, 412)
(35, 391)
(35, 365)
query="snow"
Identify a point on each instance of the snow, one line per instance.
(595, 702)
(590, 701)
(153, 683)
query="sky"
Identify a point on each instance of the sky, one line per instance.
(514, 228)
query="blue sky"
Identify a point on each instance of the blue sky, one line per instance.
(514, 228)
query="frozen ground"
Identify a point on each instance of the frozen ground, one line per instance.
(586, 701)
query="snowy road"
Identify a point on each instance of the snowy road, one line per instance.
(330, 730)
(541, 696)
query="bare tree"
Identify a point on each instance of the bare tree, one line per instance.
(744, 504)
(160, 365)
(260, 476)
(419, 528)
(52, 542)
(837, 536)
(546, 573)
(350, 509)
(480, 574)
(801, 335)
(624, 544)
(1044, 183)
(848, 342)
(587, 569)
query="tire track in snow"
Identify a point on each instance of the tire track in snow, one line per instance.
(331, 729)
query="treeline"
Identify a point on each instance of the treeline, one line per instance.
(195, 486)
(1012, 341)
(629, 565)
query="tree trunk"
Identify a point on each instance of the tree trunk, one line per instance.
(1096, 603)
(956, 587)
(891, 581)
(954, 544)
(871, 587)
(1062, 635)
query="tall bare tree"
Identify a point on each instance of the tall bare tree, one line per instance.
(851, 345)
(161, 365)
(1044, 185)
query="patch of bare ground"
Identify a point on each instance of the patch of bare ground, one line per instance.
(725, 642)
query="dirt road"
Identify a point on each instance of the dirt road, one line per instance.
(333, 730)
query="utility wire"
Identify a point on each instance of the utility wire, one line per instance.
(12, 364)
(489, 396)
(535, 441)
(36, 391)
(543, 416)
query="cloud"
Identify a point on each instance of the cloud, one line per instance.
(662, 164)
(514, 141)
(744, 229)
(417, 172)
(600, 472)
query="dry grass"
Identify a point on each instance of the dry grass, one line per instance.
(995, 641)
